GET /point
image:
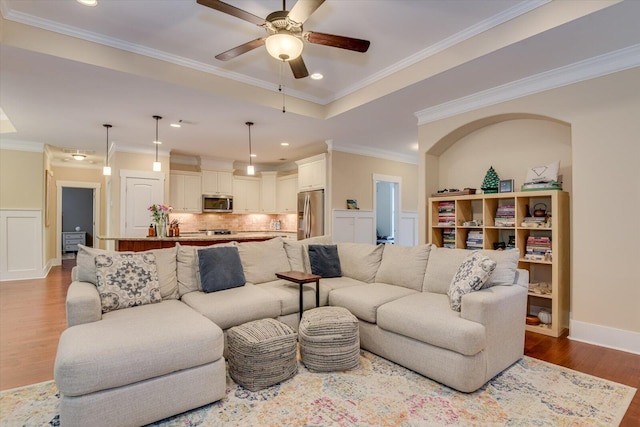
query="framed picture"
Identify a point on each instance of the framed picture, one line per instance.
(352, 204)
(506, 186)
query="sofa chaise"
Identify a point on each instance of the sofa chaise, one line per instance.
(400, 295)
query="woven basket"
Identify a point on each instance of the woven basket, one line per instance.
(329, 339)
(261, 353)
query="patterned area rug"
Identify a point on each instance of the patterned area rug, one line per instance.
(381, 393)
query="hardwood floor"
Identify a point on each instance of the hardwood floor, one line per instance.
(32, 317)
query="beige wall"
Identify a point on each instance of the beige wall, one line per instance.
(21, 180)
(604, 116)
(534, 143)
(352, 178)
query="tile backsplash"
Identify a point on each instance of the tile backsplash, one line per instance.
(233, 222)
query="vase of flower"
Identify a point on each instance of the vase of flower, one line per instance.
(160, 217)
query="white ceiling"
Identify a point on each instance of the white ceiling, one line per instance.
(67, 69)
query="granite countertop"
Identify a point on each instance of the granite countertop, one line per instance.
(187, 236)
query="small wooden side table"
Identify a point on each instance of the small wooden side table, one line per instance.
(301, 278)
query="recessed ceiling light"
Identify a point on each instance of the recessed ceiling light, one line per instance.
(157, 142)
(253, 155)
(316, 76)
(284, 144)
(88, 2)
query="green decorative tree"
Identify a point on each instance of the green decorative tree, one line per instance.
(491, 181)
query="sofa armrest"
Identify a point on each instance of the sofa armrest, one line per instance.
(502, 311)
(83, 304)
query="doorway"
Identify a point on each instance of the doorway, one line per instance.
(386, 201)
(78, 206)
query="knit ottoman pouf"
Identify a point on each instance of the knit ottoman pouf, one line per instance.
(261, 353)
(329, 339)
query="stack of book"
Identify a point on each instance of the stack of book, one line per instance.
(505, 216)
(446, 213)
(535, 222)
(474, 239)
(449, 238)
(537, 186)
(538, 248)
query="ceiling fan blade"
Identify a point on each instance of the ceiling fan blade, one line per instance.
(239, 50)
(298, 68)
(303, 9)
(232, 10)
(342, 42)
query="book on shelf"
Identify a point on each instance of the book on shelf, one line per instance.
(505, 216)
(475, 239)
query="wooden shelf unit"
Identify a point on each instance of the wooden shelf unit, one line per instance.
(556, 270)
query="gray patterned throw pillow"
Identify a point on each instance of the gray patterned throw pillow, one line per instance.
(127, 280)
(471, 275)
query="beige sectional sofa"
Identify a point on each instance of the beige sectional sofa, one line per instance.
(398, 294)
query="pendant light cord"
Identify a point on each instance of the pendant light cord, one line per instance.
(249, 124)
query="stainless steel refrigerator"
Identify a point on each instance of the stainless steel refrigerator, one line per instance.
(310, 214)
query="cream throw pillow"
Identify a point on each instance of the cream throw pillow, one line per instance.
(262, 260)
(127, 280)
(474, 271)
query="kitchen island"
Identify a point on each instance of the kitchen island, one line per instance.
(138, 244)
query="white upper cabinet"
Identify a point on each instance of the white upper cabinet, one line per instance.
(185, 192)
(246, 195)
(269, 184)
(286, 194)
(312, 173)
(217, 182)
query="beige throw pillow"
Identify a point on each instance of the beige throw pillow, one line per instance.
(403, 265)
(262, 260)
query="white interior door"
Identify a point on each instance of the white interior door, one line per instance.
(140, 193)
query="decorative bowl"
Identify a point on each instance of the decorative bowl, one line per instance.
(544, 316)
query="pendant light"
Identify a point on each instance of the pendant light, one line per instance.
(157, 166)
(251, 170)
(106, 170)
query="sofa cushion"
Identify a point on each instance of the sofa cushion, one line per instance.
(427, 317)
(363, 301)
(298, 254)
(126, 280)
(442, 265)
(472, 274)
(262, 260)
(506, 267)
(324, 260)
(187, 268)
(220, 269)
(288, 294)
(165, 262)
(132, 345)
(403, 265)
(234, 306)
(360, 261)
(338, 283)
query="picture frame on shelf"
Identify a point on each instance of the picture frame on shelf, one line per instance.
(352, 204)
(506, 186)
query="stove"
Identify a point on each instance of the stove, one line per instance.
(218, 231)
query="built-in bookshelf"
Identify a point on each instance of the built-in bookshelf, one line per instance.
(503, 220)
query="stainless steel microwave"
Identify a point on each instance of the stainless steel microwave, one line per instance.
(214, 203)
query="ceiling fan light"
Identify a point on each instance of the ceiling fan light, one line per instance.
(78, 156)
(284, 46)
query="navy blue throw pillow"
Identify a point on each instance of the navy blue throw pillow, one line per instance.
(220, 268)
(325, 261)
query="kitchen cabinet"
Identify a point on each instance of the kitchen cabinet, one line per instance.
(217, 182)
(185, 192)
(268, 192)
(246, 195)
(286, 194)
(312, 173)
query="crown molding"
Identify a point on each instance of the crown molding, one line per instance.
(587, 69)
(467, 33)
(376, 152)
(93, 37)
(36, 147)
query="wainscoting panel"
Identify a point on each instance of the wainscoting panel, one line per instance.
(20, 244)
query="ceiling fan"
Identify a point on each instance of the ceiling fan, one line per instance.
(284, 40)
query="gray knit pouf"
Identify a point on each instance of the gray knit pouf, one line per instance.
(329, 339)
(261, 353)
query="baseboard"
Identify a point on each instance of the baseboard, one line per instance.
(605, 336)
(28, 274)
